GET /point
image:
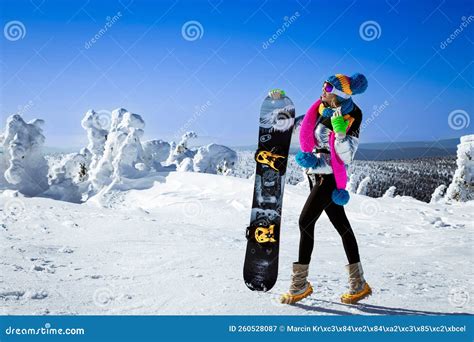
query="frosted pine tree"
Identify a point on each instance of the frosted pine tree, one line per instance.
(462, 186)
(438, 193)
(390, 193)
(362, 189)
(352, 183)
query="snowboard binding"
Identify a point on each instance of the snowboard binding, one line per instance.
(264, 235)
(275, 161)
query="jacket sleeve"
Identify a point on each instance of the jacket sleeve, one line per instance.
(346, 147)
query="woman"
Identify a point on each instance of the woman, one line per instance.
(329, 137)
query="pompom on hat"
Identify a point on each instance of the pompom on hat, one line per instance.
(356, 84)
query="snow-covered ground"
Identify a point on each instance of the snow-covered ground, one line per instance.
(178, 247)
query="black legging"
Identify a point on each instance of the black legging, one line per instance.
(319, 200)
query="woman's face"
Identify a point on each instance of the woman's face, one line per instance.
(328, 97)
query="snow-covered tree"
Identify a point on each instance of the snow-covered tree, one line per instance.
(155, 152)
(362, 189)
(187, 165)
(438, 193)
(304, 183)
(122, 151)
(24, 167)
(390, 193)
(180, 151)
(462, 186)
(96, 135)
(185, 138)
(427, 173)
(352, 183)
(216, 159)
(68, 177)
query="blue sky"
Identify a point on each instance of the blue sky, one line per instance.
(144, 64)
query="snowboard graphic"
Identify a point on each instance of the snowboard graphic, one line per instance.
(277, 119)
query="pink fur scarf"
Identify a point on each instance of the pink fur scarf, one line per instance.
(308, 142)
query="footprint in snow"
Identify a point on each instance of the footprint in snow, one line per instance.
(94, 276)
(41, 268)
(36, 294)
(65, 250)
(70, 224)
(11, 294)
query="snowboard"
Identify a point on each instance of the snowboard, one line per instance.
(277, 119)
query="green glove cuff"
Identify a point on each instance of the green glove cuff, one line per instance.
(339, 125)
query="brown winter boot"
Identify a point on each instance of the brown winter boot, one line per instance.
(358, 287)
(300, 288)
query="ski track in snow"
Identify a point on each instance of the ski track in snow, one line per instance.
(178, 248)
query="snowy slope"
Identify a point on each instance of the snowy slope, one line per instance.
(178, 246)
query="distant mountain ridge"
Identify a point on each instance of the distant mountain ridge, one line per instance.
(366, 151)
(393, 150)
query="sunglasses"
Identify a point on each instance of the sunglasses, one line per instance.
(330, 89)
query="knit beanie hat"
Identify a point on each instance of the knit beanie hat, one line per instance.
(356, 84)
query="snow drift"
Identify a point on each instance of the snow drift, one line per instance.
(65, 258)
